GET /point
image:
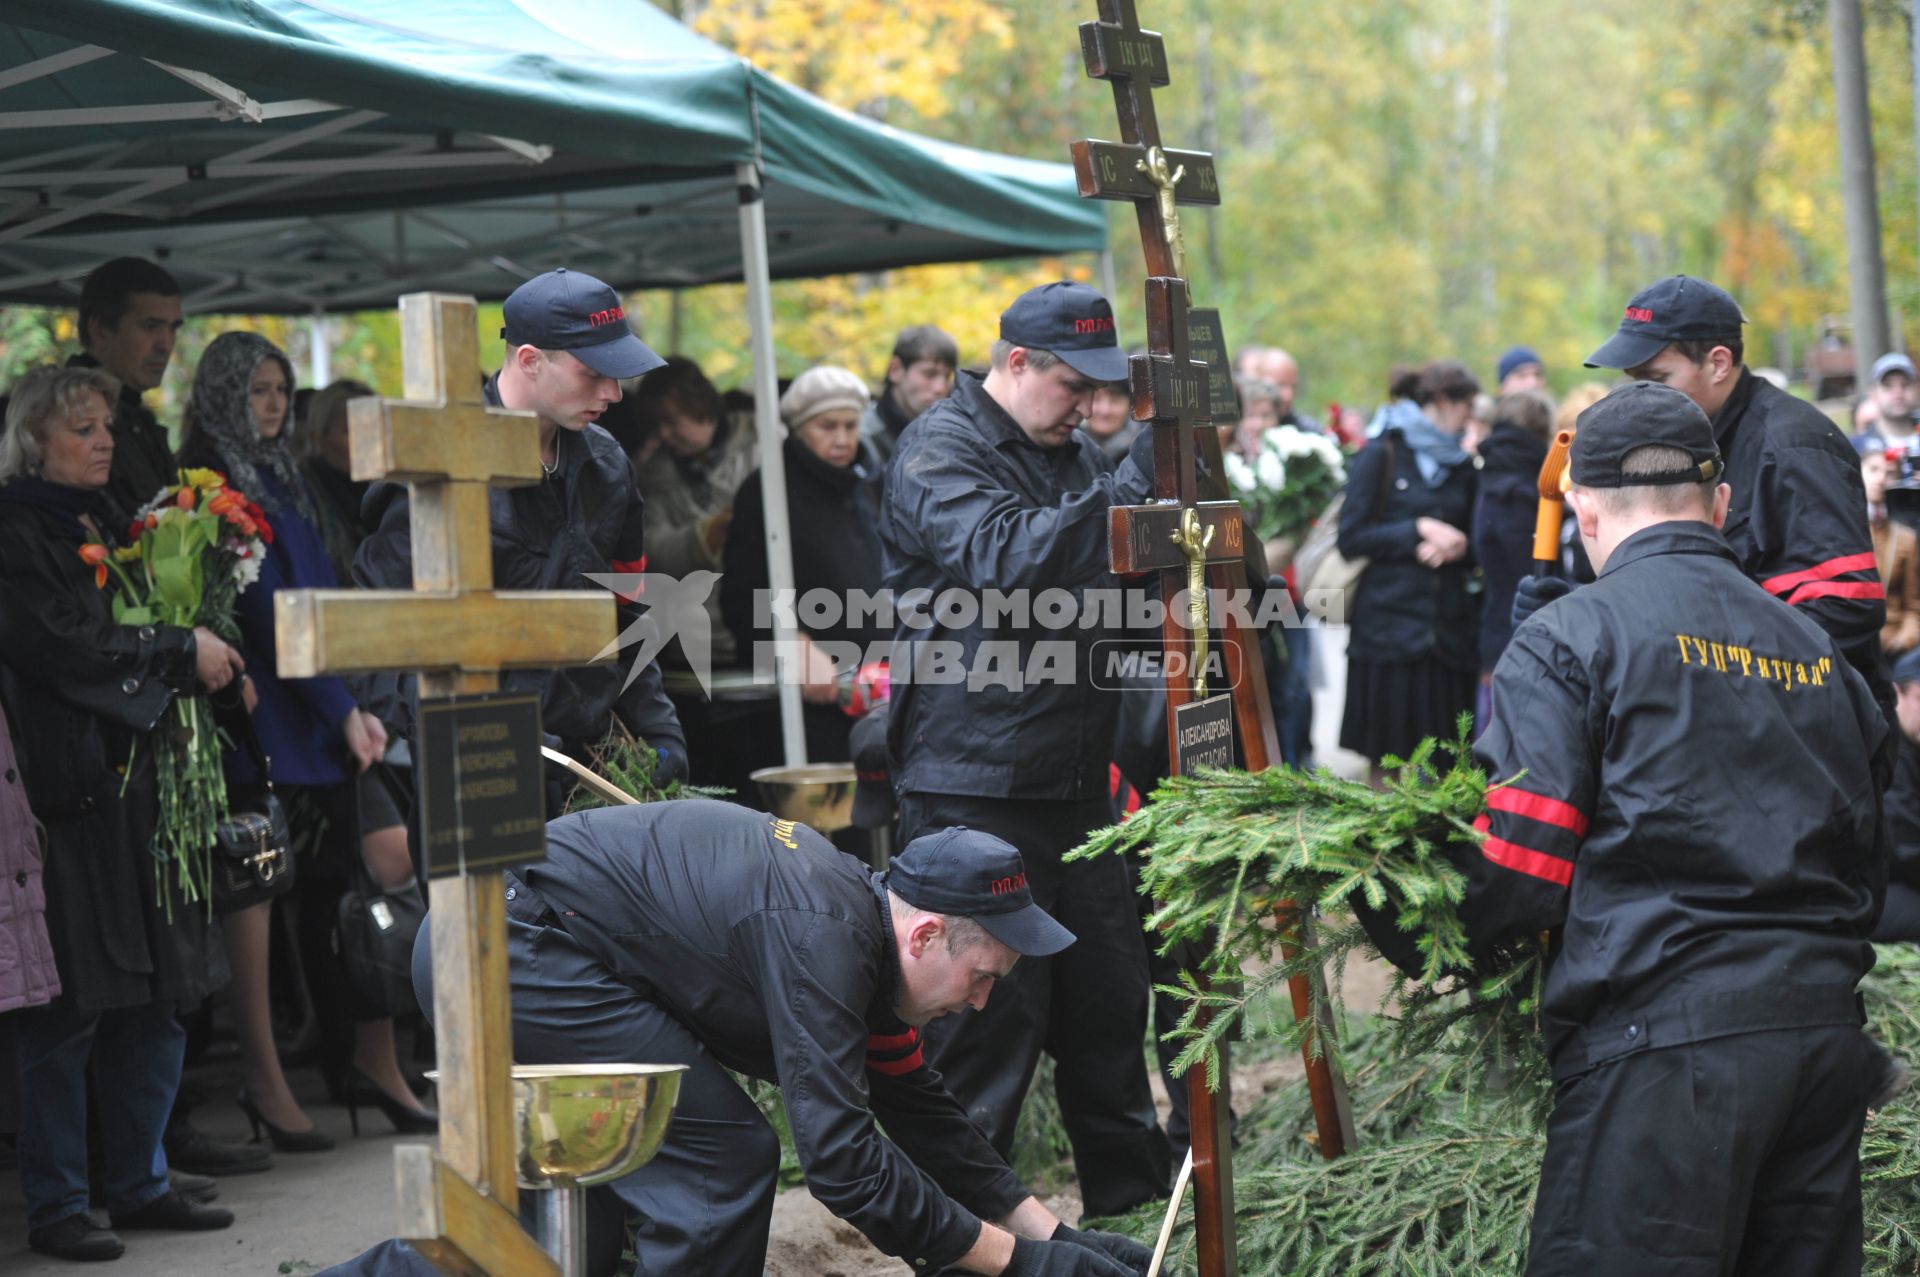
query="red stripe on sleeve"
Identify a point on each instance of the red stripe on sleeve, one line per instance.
(896, 1043)
(894, 1068)
(630, 565)
(1820, 572)
(1538, 807)
(1838, 590)
(1528, 861)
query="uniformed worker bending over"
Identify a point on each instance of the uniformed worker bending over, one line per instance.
(705, 934)
(1694, 819)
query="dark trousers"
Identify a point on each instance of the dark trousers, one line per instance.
(705, 1202)
(130, 1059)
(1086, 1006)
(1734, 1157)
(1900, 919)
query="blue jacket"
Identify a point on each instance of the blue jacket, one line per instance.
(298, 719)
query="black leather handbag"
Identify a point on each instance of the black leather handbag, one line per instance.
(253, 846)
(374, 933)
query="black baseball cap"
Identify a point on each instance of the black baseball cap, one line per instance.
(1678, 308)
(1071, 320)
(873, 803)
(1638, 415)
(566, 310)
(965, 873)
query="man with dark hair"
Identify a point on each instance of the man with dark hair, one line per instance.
(568, 346)
(919, 375)
(1798, 524)
(1689, 810)
(995, 493)
(709, 935)
(129, 320)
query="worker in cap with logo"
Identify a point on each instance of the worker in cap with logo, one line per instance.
(995, 494)
(1798, 522)
(705, 934)
(568, 347)
(1690, 815)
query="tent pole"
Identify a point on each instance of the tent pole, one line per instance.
(319, 349)
(1107, 283)
(773, 470)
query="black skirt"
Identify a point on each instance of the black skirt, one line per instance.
(1393, 705)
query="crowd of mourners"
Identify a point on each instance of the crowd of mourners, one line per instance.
(107, 974)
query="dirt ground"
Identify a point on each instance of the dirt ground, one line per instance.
(807, 1241)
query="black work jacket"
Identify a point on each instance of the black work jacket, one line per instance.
(1403, 610)
(972, 503)
(142, 454)
(1903, 815)
(776, 950)
(1503, 517)
(583, 518)
(83, 697)
(1798, 522)
(1694, 815)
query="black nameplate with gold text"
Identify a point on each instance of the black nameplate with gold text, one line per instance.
(1207, 344)
(1203, 734)
(483, 802)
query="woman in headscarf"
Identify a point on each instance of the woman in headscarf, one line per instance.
(1413, 646)
(321, 744)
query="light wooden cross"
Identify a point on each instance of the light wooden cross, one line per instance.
(458, 633)
(1186, 540)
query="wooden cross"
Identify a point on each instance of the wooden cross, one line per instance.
(1184, 540)
(1138, 168)
(460, 1208)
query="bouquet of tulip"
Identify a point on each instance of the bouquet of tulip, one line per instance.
(189, 553)
(1293, 475)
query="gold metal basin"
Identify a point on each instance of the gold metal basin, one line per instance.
(818, 795)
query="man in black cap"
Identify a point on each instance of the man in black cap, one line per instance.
(705, 934)
(994, 494)
(568, 346)
(1798, 523)
(1708, 892)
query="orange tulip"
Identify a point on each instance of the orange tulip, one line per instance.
(224, 501)
(93, 552)
(184, 498)
(100, 577)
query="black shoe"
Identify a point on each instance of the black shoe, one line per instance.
(361, 1089)
(1888, 1076)
(313, 1141)
(172, 1211)
(189, 1150)
(200, 1188)
(76, 1237)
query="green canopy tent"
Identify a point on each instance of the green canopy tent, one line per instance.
(313, 155)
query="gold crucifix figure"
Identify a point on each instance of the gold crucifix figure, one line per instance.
(1193, 541)
(1164, 179)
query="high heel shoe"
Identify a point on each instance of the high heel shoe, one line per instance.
(407, 1121)
(314, 1141)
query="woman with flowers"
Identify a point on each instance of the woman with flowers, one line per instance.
(320, 743)
(84, 695)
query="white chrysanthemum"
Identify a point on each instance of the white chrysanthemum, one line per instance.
(1271, 470)
(1240, 474)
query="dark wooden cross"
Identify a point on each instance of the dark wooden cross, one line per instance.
(451, 448)
(1189, 542)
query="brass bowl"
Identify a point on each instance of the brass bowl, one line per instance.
(817, 795)
(580, 1125)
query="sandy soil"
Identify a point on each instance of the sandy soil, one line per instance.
(807, 1241)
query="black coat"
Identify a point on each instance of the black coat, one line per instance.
(546, 536)
(1502, 533)
(1903, 815)
(1402, 610)
(142, 453)
(1798, 520)
(82, 696)
(973, 504)
(776, 950)
(1694, 815)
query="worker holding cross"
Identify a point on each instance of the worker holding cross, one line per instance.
(568, 346)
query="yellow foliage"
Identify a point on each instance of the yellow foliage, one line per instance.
(860, 54)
